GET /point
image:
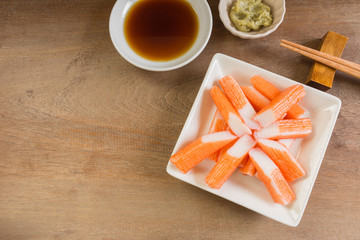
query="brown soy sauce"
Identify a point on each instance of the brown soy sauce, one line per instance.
(161, 30)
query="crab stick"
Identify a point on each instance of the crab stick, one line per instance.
(278, 107)
(272, 177)
(286, 128)
(249, 168)
(223, 150)
(201, 148)
(257, 100)
(281, 156)
(228, 112)
(226, 147)
(218, 124)
(267, 89)
(239, 101)
(229, 161)
(264, 87)
(287, 142)
(243, 163)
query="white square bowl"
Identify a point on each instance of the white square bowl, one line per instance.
(246, 191)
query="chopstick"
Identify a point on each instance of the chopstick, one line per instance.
(324, 58)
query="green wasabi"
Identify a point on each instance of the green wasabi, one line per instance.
(248, 15)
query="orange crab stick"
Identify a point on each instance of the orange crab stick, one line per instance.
(243, 163)
(218, 124)
(287, 142)
(264, 87)
(201, 148)
(249, 168)
(270, 91)
(278, 107)
(257, 100)
(239, 101)
(281, 156)
(287, 128)
(271, 176)
(228, 112)
(223, 150)
(229, 162)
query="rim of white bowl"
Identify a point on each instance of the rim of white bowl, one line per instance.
(224, 16)
(117, 16)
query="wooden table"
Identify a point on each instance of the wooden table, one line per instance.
(85, 137)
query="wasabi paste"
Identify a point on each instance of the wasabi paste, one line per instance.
(248, 15)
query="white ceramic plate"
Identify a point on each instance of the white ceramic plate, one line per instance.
(248, 191)
(116, 28)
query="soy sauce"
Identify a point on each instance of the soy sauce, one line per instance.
(161, 30)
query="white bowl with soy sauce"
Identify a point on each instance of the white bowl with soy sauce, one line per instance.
(160, 35)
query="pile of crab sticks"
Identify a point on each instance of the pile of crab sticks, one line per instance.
(252, 131)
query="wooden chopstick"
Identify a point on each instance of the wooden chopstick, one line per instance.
(324, 58)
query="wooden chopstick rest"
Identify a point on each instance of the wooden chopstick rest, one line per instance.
(320, 75)
(327, 60)
(324, 58)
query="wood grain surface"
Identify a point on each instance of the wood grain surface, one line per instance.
(85, 137)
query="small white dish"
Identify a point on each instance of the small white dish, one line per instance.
(278, 10)
(246, 191)
(116, 28)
